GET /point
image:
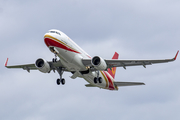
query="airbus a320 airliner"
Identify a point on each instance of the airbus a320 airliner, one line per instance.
(98, 72)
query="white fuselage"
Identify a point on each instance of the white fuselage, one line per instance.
(71, 56)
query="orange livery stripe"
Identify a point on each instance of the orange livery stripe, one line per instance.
(105, 78)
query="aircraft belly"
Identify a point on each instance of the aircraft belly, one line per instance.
(73, 61)
(65, 55)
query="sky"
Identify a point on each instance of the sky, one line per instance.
(147, 29)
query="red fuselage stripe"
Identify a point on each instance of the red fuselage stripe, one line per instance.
(50, 42)
(111, 85)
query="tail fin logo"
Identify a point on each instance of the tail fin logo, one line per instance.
(112, 71)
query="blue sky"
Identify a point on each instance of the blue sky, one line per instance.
(135, 29)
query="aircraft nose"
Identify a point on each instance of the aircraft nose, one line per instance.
(47, 39)
(46, 35)
(51, 41)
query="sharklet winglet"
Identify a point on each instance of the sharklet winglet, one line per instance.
(6, 62)
(176, 55)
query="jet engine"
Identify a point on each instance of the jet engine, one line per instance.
(42, 65)
(99, 63)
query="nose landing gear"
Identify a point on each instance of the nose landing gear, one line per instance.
(61, 80)
(60, 70)
(54, 59)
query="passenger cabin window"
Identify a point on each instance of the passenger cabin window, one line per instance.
(58, 33)
(52, 31)
(55, 32)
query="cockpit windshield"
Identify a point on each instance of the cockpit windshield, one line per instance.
(54, 32)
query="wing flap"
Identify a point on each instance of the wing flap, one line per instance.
(120, 84)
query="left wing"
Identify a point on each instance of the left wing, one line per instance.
(25, 66)
(29, 67)
(123, 63)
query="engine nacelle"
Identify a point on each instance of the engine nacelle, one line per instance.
(42, 65)
(99, 63)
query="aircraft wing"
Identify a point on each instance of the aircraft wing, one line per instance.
(29, 67)
(123, 63)
(120, 84)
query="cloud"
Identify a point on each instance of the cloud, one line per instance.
(134, 29)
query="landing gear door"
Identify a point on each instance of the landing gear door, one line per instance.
(54, 50)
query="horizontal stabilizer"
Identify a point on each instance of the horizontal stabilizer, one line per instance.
(128, 83)
(89, 85)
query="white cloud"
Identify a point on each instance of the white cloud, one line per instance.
(134, 29)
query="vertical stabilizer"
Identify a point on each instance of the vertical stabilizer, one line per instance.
(112, 71)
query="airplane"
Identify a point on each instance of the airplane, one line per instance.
(98, 72)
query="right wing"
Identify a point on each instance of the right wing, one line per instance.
(29, 67)
(123, 63)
